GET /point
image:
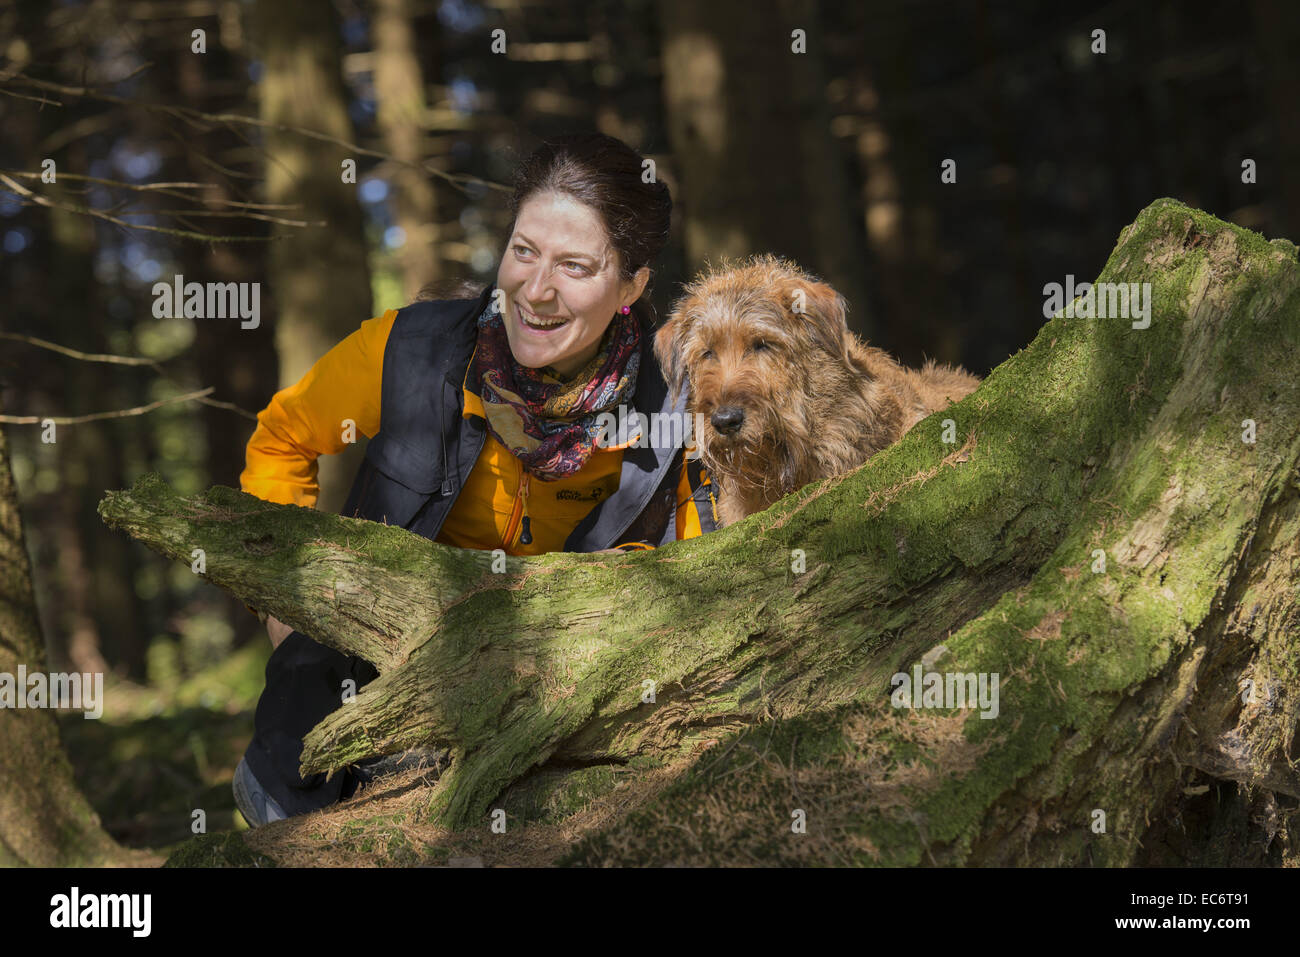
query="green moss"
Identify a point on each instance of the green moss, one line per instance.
(551, 794)
(1120, 629)
(224, 849)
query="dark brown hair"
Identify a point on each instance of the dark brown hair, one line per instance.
(602, 173)
(443, 289)
(607, 175)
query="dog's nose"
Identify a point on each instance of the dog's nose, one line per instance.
(728, 419)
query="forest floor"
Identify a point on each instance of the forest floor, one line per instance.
(162, 752)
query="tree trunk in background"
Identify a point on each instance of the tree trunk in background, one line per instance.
(68, 311)
(399, 90)
(882, 208)
(319, 275)
(96, 616)
(1117, 678)
(45, 820)
(900, 178)
(750, 129)
(1277, 24)
(241, 364)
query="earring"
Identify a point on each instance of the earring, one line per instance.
(625, 310)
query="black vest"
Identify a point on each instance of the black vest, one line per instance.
(425, 449)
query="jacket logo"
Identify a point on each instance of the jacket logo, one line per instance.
(573, 495)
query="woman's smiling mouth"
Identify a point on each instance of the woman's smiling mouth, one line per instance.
(536, 323)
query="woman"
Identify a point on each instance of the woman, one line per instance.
(486, 420)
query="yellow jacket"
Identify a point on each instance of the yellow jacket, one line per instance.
(307, 420)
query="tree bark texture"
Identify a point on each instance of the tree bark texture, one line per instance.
(45, 821)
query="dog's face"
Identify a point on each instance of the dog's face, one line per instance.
(748, 344)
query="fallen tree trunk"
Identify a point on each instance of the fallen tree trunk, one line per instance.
(1113, 534)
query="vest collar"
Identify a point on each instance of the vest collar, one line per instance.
(643, 468)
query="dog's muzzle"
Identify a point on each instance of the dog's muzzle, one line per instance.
(728, 419)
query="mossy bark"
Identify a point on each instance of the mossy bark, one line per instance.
(771, 644)
(45, 821)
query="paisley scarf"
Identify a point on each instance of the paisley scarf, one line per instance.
(548, 423)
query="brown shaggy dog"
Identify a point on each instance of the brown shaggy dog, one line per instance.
(787, 394)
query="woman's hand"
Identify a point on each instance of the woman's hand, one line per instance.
(277, 630)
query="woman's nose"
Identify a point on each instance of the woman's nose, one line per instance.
(537, 288)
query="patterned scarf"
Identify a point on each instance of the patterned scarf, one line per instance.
(549, 424)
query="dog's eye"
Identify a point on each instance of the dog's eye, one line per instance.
(706, 354)
(759, 344)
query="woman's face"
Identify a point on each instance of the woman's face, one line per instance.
(561, 283)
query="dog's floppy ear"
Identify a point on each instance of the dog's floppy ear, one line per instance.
(826, 313)
(668, 350)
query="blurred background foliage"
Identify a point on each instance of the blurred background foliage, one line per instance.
(831, 156)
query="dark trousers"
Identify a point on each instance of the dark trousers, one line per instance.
(304, 683)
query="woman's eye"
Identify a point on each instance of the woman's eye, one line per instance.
(577, 268)
(522, 251)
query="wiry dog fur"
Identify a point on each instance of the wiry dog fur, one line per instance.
(811, 398)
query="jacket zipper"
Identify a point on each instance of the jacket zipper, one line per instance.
(519, 516)
(525, 533)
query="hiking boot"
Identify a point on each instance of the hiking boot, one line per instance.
(251, 798)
